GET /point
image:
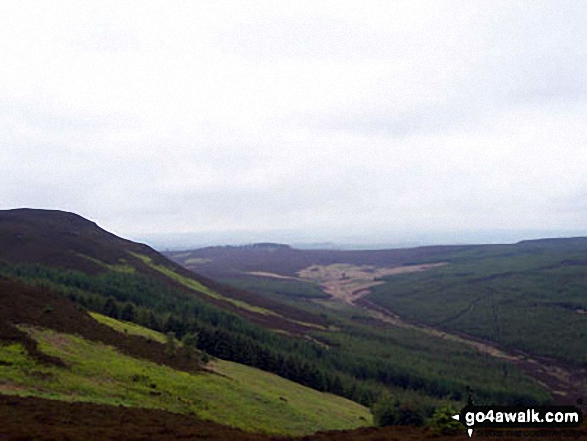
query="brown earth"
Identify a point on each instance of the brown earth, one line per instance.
(348, 283)
(40, 419)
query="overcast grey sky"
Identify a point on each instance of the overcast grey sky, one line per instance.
(320, 120)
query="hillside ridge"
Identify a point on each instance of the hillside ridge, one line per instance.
(69, 241)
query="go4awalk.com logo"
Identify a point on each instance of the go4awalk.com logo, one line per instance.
(510, 417)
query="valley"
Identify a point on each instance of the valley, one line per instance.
(270, 340)
(378, 290)
(351, 284)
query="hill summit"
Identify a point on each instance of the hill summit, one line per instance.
(61, 239)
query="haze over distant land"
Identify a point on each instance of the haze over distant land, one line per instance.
(399, 123)
(302, 240)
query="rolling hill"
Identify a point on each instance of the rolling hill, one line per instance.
(530, 296)
(122, 279)
(88, 316)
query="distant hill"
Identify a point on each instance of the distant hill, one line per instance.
(287, 261)
(531, 295)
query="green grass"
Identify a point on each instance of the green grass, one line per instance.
(129, 328)
(310, 406)
(194, 260)
(198, 287)
(304, 399)
(123, 267)
(242, 397)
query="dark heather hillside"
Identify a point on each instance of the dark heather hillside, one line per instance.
(68, 241)
(64, 240)
(40, 419)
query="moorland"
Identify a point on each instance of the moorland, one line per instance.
(105, 338)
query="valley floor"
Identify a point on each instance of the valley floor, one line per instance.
(565, 382)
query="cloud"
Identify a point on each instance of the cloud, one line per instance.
(310, 116)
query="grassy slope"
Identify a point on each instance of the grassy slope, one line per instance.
(241, 397)
(309, 404)
(129, 328)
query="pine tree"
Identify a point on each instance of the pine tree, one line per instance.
(190, 343)
(128, 312)
(110, 308)
(170, 345)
